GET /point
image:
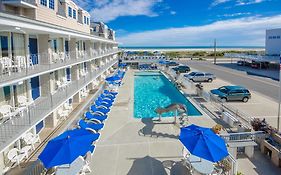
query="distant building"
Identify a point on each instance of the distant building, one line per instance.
(102, 30)
(273, 42)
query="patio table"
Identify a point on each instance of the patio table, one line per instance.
(201, 165)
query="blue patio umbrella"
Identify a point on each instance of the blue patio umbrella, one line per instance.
(203, 142)
(65, 148)
(163, 62)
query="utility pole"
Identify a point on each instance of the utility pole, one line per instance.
(278, 117)
(215, 51)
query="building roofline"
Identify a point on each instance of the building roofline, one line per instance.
(19, 21)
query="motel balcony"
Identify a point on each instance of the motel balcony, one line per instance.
(12, 129)
(21, 3)
(13, 70)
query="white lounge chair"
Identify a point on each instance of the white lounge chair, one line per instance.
(15, 156)
(73, 169)
(86, 167)
(31, 139)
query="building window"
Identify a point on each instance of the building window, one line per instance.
(43, 2)
(84, 19)
(52, 4)
(274, 37)
(278, 37)
(88, 21)
(74, 14)
(4, 51)
(69, 11)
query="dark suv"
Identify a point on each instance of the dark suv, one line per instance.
(232, 93)
(182, 69)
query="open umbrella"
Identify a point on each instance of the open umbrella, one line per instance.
(203, 142)
(65, 148)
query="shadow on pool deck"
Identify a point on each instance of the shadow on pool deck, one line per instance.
(149, 166)
(147, 130)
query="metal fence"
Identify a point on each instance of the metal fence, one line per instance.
(11, 130)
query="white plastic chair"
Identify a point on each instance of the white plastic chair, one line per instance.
(31, 139)
(15, 156)
(23, 101)
(62, 113)
(61, 56)
(6, 112)
(60, 85)
(55, 57)
(68, 107)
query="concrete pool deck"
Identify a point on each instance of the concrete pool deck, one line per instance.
(149, 147)
(138, 146)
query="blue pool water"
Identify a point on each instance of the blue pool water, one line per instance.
(153, 90)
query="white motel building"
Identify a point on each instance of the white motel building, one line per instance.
(52, 60)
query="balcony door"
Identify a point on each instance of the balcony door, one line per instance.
(33, 50)
(66, 47)
(35, 87)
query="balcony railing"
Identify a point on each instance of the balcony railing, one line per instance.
(20, 68)
(12, 130)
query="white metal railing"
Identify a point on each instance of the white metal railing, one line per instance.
(243, 136)
(233, 163)
(45, 105)
(214, 100)
(12, 69)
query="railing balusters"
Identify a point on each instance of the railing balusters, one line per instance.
(45, 105)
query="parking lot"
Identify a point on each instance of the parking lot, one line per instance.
(259, 106)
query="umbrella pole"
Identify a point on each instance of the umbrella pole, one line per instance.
(176, 113)
(159, 115)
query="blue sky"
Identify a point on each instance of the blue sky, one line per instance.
(187, 22)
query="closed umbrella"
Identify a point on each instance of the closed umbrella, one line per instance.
(113, 78)
(65, 148)
(203, 142)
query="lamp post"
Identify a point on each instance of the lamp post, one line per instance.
(278, 117)
(215, 51)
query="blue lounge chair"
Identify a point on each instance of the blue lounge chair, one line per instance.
(105, 100)
(104, 105)
(95, 117)
(108, 92)
(95, 126)
(106, 96)
(100, 110)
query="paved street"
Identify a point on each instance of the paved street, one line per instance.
(262, 85)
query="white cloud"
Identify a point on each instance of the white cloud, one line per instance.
(217, 2)
(235, 14)
(108, 10)
(173, 12)
(243, 31)
(238, 2)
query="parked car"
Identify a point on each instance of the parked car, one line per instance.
(200, 76)
(182, 69)
(232, 93)
(243, 63)
(172, 63)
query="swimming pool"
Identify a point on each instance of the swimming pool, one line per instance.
(153, 90)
